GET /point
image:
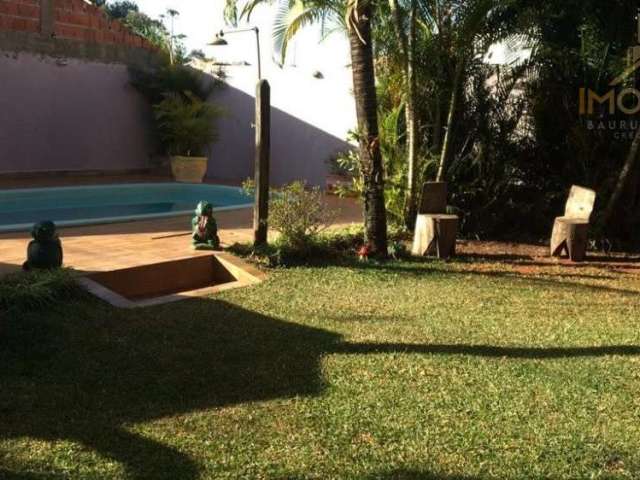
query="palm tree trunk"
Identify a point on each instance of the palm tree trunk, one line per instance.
(406, 43)
(364, 89)
(399, 30)
(446, 145)
(412, 124)
(623, 179)
(437, 126)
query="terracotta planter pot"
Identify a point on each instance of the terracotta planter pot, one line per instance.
(189, 169)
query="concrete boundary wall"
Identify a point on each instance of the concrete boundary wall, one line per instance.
(66, 103)
(299, 150)
(70, 114)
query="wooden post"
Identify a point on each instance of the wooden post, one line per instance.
(263, 154)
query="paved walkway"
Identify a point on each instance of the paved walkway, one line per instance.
(121, 245)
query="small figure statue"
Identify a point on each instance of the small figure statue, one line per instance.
(205, 228)
(45, 250)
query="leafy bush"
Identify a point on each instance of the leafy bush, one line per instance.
(184, 120)
(392, 141)
(150, 29)
(120, 9)
(323, 248)
(157, 83)
(297, 212)
(337, 246)
(185, 126)
(36, 290)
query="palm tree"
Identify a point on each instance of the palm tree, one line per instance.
(172, 14)
(356, 16)
(406, 39)
(331, 14)
(470, 18)
(293, 15)
(359, 14)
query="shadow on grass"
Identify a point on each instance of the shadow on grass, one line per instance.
(612, 262)
(89, 378)
(88, 373)
(421, 268)
(499, 258)
(12, 475)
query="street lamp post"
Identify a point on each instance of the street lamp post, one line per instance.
(262, 143)
(220, 41)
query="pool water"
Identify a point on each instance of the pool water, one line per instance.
(68, 206)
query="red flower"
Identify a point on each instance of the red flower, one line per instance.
(364, 252)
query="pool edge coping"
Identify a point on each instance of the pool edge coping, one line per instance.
(25, 227)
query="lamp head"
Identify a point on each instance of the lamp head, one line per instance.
(219, 41)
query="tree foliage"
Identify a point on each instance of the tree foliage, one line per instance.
(120, 9)
(509, 138)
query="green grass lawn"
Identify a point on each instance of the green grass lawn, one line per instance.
(466, 370)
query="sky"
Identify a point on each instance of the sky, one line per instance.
(201, 19)
(327, 104)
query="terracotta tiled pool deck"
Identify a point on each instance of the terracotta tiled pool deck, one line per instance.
(100, 248)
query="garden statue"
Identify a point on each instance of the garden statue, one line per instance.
(45, 250)
(205, 228)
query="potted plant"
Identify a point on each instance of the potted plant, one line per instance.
(185, 127)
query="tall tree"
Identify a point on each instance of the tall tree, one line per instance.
(471, 28)
(151, 29)
(406, 38)
(172, 37)
(357, 16)
(120, 9)
(623, 180)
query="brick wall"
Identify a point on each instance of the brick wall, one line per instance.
(66, 19)
(20, 15)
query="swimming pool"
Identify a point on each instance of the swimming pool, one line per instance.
(86, 205)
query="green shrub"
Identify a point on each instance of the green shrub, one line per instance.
(185, 126)
(395, 165)
(314, 251)
(155, 84)
(36, 290)
(184, 120)
(325, 248)
(297, 212)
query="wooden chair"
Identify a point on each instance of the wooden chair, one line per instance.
(436, 231)
(570, 232)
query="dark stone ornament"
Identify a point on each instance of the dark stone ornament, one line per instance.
(205, 228)
(45, 250)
